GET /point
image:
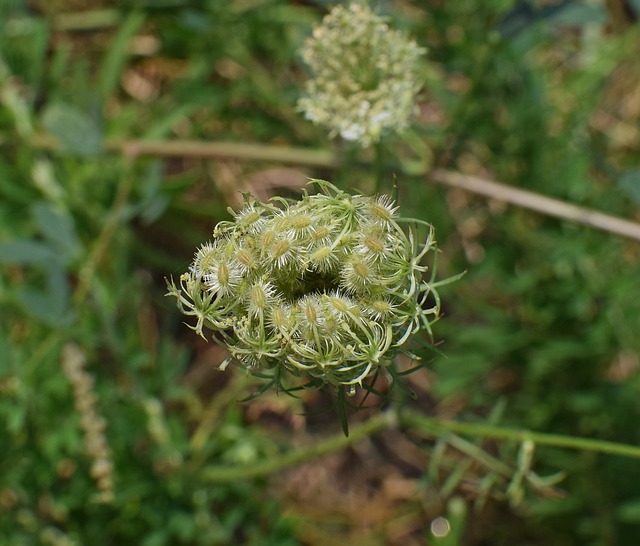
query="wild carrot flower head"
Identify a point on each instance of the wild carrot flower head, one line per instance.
(364, 75)
(327, 288)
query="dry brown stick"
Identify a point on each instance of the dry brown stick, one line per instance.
(230, 150)
(318, 158)
(329, 160)
(539, 203)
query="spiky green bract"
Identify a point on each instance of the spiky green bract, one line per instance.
(364, 75)
(327, 288)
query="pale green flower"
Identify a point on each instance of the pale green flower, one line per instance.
(327, 288)
(365, 76)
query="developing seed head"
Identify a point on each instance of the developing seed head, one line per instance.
(300, 221)
(282, 252)
(205, 258)
(310, 309)
(374, 243)
(269, 237)
(282, 255)
(341, 306)
(380, 309)
(280, 318)
(324, 259)
(260, 296)
(300, 225)
(321, 233)
(377, 245)
(326, 288)
(247, 260)
(384, 209)
(222, 277)
(249, 217)
(357, 275)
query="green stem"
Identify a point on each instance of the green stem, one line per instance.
(427, 425)
(211, 415)
(437, 427)
(218, 474)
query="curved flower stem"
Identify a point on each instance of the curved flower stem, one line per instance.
(214, 411)
(434, 427)
(428, 426)
(334, 444)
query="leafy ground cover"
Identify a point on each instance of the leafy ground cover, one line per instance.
(126, 130)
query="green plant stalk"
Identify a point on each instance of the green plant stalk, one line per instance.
(214, 411)
(219, 474)
(411, 420)
(479, 455)
(479, 430)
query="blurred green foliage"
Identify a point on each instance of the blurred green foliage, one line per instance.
(545, 324)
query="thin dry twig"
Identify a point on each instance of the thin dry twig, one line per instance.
(328, 160)
(538, 203)
(515, 196)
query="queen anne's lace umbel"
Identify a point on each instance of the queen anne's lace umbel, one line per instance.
(365, 75)
(328, 287)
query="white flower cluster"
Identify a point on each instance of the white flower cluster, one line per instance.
(364, 75)
(327, 287)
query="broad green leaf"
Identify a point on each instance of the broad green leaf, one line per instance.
(25, 251)
(59, 290)
(76, 132)
(154, 208)
(153, 203)
(58, 228)
(580, 14)
(629, 512)
(629, 182)
(43, 306)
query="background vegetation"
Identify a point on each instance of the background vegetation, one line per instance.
(115, 426)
